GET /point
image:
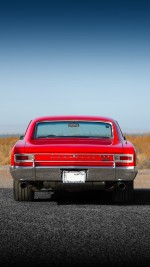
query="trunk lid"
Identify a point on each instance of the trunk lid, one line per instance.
(74, 152)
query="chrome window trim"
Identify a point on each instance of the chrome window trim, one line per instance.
(71, 120)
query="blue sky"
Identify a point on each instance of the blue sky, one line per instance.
(75, 57)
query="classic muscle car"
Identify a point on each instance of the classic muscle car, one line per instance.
(73, 153)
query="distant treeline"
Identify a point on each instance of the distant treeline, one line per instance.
(9, 135)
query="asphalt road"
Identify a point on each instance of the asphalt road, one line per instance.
(74, 230)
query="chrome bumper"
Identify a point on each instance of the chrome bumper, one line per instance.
(53, 174)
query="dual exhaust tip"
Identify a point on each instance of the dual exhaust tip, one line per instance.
(121, 186)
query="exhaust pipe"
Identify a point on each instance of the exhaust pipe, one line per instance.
(23, 184)
(121, 185)
(111, 188)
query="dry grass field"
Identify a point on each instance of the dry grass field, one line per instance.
(142, 146)
(141, 143)
(6, 144)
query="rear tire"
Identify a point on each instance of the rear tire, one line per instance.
(22, 194)
(123, 196)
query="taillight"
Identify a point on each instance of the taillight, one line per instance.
(24, 158)
(124, 159)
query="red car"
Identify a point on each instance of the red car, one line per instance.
(73, 153)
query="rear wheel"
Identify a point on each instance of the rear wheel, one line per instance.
(124, 194)
(22, 194)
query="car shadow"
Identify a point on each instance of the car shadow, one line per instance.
(140, 197)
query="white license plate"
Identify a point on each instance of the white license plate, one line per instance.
(74, 176)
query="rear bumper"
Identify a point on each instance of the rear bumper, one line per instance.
(93, 174)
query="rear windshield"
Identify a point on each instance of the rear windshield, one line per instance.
(73, 129)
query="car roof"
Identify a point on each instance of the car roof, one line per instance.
(73, 117)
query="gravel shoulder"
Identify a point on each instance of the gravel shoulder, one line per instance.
(142, 179)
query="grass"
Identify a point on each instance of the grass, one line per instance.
(141, 143)
(142, 146)
(6, 144)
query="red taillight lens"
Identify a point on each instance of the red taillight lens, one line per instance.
(124, 160)
(21, 158)
(24, 158)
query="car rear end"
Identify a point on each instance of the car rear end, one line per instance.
(74, 162)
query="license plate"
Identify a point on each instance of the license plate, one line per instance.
(74, 176)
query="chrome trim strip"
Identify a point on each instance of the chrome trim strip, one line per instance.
(74, 156)
(62, 153)
(75, 167)
(127, 168)
(69, 161)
